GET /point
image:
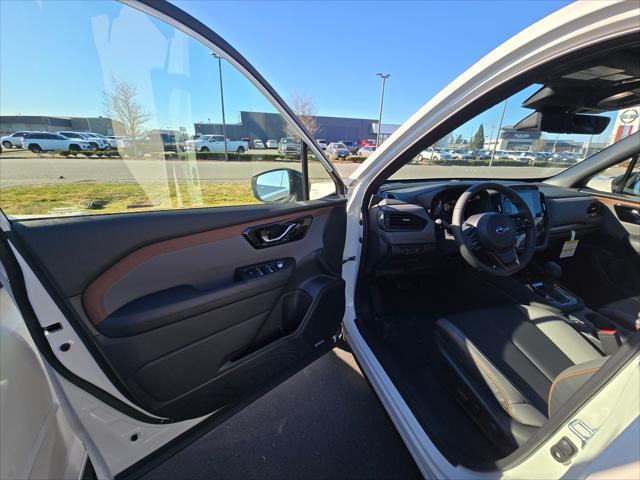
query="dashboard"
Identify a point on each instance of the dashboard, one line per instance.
(408, 220)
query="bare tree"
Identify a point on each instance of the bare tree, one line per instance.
(121, 104)
(305, 109)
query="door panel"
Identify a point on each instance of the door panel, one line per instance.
(622, 208)
(178, 319)
(163, 291)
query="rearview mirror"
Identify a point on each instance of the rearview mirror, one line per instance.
(563, 123)
(281, 185)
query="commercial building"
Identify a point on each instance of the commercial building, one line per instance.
(265, 126)
(511, 139)
(14, 123)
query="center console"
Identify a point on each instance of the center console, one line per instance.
(548, 288)
(602, 332)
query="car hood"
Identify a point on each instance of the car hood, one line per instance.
(569, 29)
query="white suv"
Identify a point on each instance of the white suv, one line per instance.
(14, 140)
(95, 143)
(44, 141)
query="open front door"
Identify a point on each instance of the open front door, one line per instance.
(164, 285)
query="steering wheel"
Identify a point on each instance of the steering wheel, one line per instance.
(494, 242)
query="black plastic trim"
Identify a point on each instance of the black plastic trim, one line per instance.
(182, 441)
(174, 304)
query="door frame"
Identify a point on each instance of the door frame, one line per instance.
(33, 296)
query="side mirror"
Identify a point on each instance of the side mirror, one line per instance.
(278, 186)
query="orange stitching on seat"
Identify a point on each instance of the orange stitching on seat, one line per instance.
(504, 396)
(564, 377)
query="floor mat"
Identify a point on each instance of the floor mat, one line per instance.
(403, 339)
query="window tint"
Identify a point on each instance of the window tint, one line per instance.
(159, 99)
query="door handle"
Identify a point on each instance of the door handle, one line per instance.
(264, 235)
(277, 233)
(627, 213)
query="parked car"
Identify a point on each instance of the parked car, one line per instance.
(351, 146)
(272, 143)
(111, 143)
(289, 146)
(367, 142)
(480, 154)
(14, 140)
(95, 143)
(462, 154)
(524, 157)
(215, 143)
(433, 154)
(46, 141)
(149, 143)
(337, 150)
(258, 144)
(322, 143)
(366, 151)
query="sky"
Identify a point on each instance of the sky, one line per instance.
(331, 51)
(68, 52)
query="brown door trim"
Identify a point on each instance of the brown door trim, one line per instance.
(95, 291)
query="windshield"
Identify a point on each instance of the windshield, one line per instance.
(489, 145)
(340, 145)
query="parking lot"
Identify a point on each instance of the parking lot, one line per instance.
(20, 167)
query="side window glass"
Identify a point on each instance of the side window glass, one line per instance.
(616, 180)
(156, 92)
(631, 185)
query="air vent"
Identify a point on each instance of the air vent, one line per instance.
(403, 221)
(593, 209)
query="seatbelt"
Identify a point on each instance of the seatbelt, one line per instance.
(609, 340)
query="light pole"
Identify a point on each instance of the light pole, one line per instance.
(384, 77)
(495, 145)
(493, 127)
(224, 123)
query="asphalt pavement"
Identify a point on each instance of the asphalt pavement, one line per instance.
(325, 422)
(24, 168)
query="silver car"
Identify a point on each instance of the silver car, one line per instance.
(337, 150)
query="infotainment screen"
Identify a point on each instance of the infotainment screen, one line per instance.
(531, 197)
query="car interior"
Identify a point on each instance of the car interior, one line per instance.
(473, 294)
(492, 303)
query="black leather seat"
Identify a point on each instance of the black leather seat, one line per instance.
(510, 367)
(625, 312)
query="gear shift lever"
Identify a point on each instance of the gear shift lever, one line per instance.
(552, 273)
